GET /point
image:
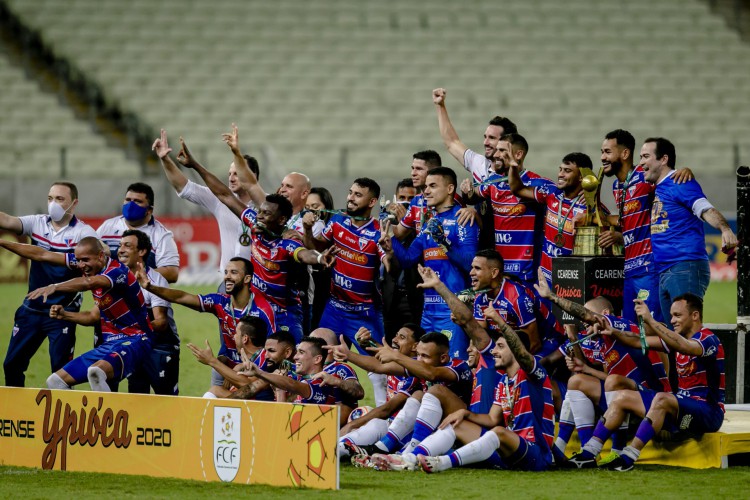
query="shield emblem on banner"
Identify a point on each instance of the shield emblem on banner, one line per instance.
(227, 448)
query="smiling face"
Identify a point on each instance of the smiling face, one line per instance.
(295, 188)
(269, 216)
(128, 252)
(306, 362)
(438, 192)
(359, 201)
(652, 166)
(235, 277)
(568, 177)
(613, 155)
(482, 273)
(276, 352)
(431, 354)
(419, 171)
(502, 354)
(91, 259)
(404, 342)
(492, 134)
(499, 157)
(683, 321)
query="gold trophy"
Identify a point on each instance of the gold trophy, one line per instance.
(586, 241)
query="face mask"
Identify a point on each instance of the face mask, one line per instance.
(133, 212)
(56, 211)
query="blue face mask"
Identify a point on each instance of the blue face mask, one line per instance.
(133, 212)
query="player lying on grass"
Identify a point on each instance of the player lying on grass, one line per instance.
(698, 405)
(373, 426)
(625, 367)
(518, 430)
(126, 328)
(438, 373)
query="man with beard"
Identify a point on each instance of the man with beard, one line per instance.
(355, 295)
(229, 308)
(275, 357)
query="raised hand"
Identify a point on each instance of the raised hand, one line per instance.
(467, 215)
(542, 287)
(141, 276)
(161, 146)
(232, 139)
(328, 257)
(438, 96)
(43, 292)
(340, 352)
(184, 157)
(202, 355)
(327, 379)
(430, 278)
(384, 354)
(641, 309)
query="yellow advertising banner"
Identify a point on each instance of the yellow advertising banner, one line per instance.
(249, 442)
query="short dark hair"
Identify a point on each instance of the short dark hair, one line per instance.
(143, 188)
(144, 242)
(252, 163)
(319, 345)
(664, 147)
(502, 121)
(517, 140)
(693, 302)
(580, 160)
(72, 187)
(436, 338)
(623, 138)
(417, 332)
(446, 173)
(492, 255)
(430, 157)
(405, 183)
(369, 184)
(255, 328)
(247, 263)
(285, 206)
(282, 337)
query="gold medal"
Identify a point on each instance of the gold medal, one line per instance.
(559, 240)
(245, 239)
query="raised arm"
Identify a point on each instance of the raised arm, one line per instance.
(10, 223)
(342, 353)
(218, 188)
(83, 318)
(673, 340)
(244, 174)
(450, 138)
(282, 382)
(462, 314)
(174, 175)
(574, 309)
(514, 180)
(206, 356)
(387, 354)
(33, 252)
(75, 285)
(169, 294)
(524, 357)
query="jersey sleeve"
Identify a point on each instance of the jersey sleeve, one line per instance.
(27, 224)
(690, 193)
(344, 372)
(479, 302)
(200, 195)
(70, 261)
(412, 214)
(408, 386)
(710, 345)
(476, 164)
(327, 233)
(248, 217)
(118, 277)
(524, 309)
(537, 373)
(541, 193)
(211, 302)
(166, 253)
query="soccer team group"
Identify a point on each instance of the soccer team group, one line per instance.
(468, 364)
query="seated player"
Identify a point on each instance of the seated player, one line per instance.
(348, 389)
(373, 426)
(305, 382)
(442, 377)
(625, 367)
(698, 405)
(276, 357)
(516, 433)
(124, 319)
(228, 307)
(249, 336)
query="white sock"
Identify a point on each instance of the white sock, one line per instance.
(430, 414)
(566, 416)
(594, 446)
(479, 450)
(378, 387)
(582, 408)
(631, 452)
(210, 395)
(97, 379)
(403, 424)
(439, 442)
(369, 433)
(55, 382)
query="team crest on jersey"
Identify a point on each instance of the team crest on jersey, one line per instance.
(121, 279)
(274, 252)
(227, 450)
(362, 243)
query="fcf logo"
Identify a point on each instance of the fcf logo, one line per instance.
(227, 423)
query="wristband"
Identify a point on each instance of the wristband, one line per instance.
(320, 257)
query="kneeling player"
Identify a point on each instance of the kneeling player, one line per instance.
(698, 406)
(124, 319)
(517, 432)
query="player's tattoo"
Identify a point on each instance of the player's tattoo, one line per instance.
(352, 388)
(524, 357)
(245, 392)
(574, 309)
(459, 309)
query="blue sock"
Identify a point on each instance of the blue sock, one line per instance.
(391, 442)
(421, 431)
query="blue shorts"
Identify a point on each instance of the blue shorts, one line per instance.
(346, 322)
(536, 459)
(290, 320)
(631, 287)
(159, 371)
(695, 417)
(441, 323)
(124, 354)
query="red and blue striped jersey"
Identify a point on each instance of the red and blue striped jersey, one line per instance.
(462, 386)
(485, 380)
(220, 305)
(260, 359)
(526, 401)
(702, 377)
(634, 199)
(619, 359)
(122, 305)
(515, 223)
(319, 394)
(557, 207)
(418, 212)
(344, 372)
(591, 348)
(513, 303)
(356, 271)
(272, 259)
(405, 385)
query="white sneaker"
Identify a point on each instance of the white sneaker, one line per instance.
(429, 464)
(396, 462)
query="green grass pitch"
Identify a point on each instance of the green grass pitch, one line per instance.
(720, 307)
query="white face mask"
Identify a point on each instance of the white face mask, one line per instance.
(56, 211)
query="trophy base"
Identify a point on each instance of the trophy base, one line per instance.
(586, 243)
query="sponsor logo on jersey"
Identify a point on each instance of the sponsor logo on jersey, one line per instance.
(510, 210)
(632, 206)
(227, 450)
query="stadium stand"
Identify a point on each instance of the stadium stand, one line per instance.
(306, 79)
